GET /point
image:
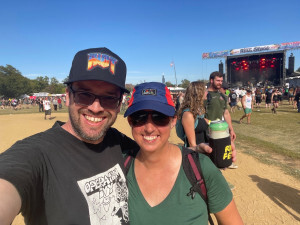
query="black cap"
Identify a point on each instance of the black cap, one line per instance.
(98, 64)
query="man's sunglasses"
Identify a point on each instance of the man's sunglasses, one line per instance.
(86, 98)
(140, 118)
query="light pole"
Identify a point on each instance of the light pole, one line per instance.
(173, 65)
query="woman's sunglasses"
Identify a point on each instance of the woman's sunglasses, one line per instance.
(140, 118)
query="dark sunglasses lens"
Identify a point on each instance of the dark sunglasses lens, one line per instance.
(160, 119)
(109, 102)
(84, 98)
(139, 118)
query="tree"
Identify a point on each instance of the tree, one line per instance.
(169, 84)
(55, 87)
(185, 83)
(12, 83)
(41, 83)
(129, 87)
(298, 70)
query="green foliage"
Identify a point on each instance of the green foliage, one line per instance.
(298, 70)
(185, 83)
(169, 84)
(13, 84)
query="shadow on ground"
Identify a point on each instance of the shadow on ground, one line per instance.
(280, 194)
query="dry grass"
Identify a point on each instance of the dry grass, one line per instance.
(271, 138)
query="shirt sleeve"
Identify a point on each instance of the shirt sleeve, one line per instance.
(218, 191)
(20, 165)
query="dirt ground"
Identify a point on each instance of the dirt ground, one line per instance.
(263, 193)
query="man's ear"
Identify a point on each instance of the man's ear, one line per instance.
(67, 97)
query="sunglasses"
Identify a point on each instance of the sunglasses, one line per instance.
(140, 118)
(86, 98)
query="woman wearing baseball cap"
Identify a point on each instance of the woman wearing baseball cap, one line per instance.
(157, 183)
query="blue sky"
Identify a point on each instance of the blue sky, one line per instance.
(40, 38)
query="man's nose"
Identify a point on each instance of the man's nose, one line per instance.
(96, 106)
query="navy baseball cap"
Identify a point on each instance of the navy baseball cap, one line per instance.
(153, 96)
(98, 64)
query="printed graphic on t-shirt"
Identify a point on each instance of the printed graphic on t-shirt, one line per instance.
(107, 197)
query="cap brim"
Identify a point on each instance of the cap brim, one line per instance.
(151, 105)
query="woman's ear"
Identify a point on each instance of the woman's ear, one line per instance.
(173, 121)
(129, 121)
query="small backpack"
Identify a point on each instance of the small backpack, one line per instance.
(192, 170)
(180, 130)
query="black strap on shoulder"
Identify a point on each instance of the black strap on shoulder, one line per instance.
(192, 169)
(127, 163)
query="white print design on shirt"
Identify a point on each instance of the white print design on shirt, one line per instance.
(107, 197)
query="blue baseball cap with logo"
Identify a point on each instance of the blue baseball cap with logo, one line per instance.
(151, 96)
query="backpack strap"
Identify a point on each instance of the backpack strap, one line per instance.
(127, 163)
(192, 169)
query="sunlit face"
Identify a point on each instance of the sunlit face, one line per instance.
(217, 82)
(151, 137)
(90, 123)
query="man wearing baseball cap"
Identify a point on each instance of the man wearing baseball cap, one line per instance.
(73, 173)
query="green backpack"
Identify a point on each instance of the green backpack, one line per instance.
(180, 130)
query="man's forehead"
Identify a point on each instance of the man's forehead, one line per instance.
(218, 78)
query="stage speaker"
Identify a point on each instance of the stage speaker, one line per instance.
(291, 68)
(221, 68)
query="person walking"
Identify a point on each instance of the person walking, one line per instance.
(247, 102)
(55, 103)
(232, 98)
(47, 107)
(258, 98)
(73, 173)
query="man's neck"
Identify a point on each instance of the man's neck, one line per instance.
(212, 89)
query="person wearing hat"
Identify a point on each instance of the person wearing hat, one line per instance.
(247, 102)
(73, 173)
(157, 183)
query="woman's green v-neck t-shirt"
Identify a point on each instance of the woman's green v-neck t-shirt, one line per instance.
(178, 208)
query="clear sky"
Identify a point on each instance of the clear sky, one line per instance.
(40, 38)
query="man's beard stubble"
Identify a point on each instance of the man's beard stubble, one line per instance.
(79, 131)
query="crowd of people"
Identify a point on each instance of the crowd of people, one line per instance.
(20, 103)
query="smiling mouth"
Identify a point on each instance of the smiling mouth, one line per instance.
(150, 138)
(93, 119)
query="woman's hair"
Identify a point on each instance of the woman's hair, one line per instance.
(193, 99)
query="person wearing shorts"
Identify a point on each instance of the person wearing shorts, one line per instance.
(232, 97)
(247, 102)
(47, 108)
(258, 98)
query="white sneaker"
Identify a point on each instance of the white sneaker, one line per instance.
(233, 166)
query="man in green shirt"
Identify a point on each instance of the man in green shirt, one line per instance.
(216, 105)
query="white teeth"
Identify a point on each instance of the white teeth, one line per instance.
(150, 138)
(93, 119)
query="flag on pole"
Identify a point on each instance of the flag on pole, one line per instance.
(172, 64)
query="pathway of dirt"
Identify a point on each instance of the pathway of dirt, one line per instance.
(263, 193)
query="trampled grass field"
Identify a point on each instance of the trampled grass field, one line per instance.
(272, 138)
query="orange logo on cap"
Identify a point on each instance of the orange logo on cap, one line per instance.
(103, 61)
